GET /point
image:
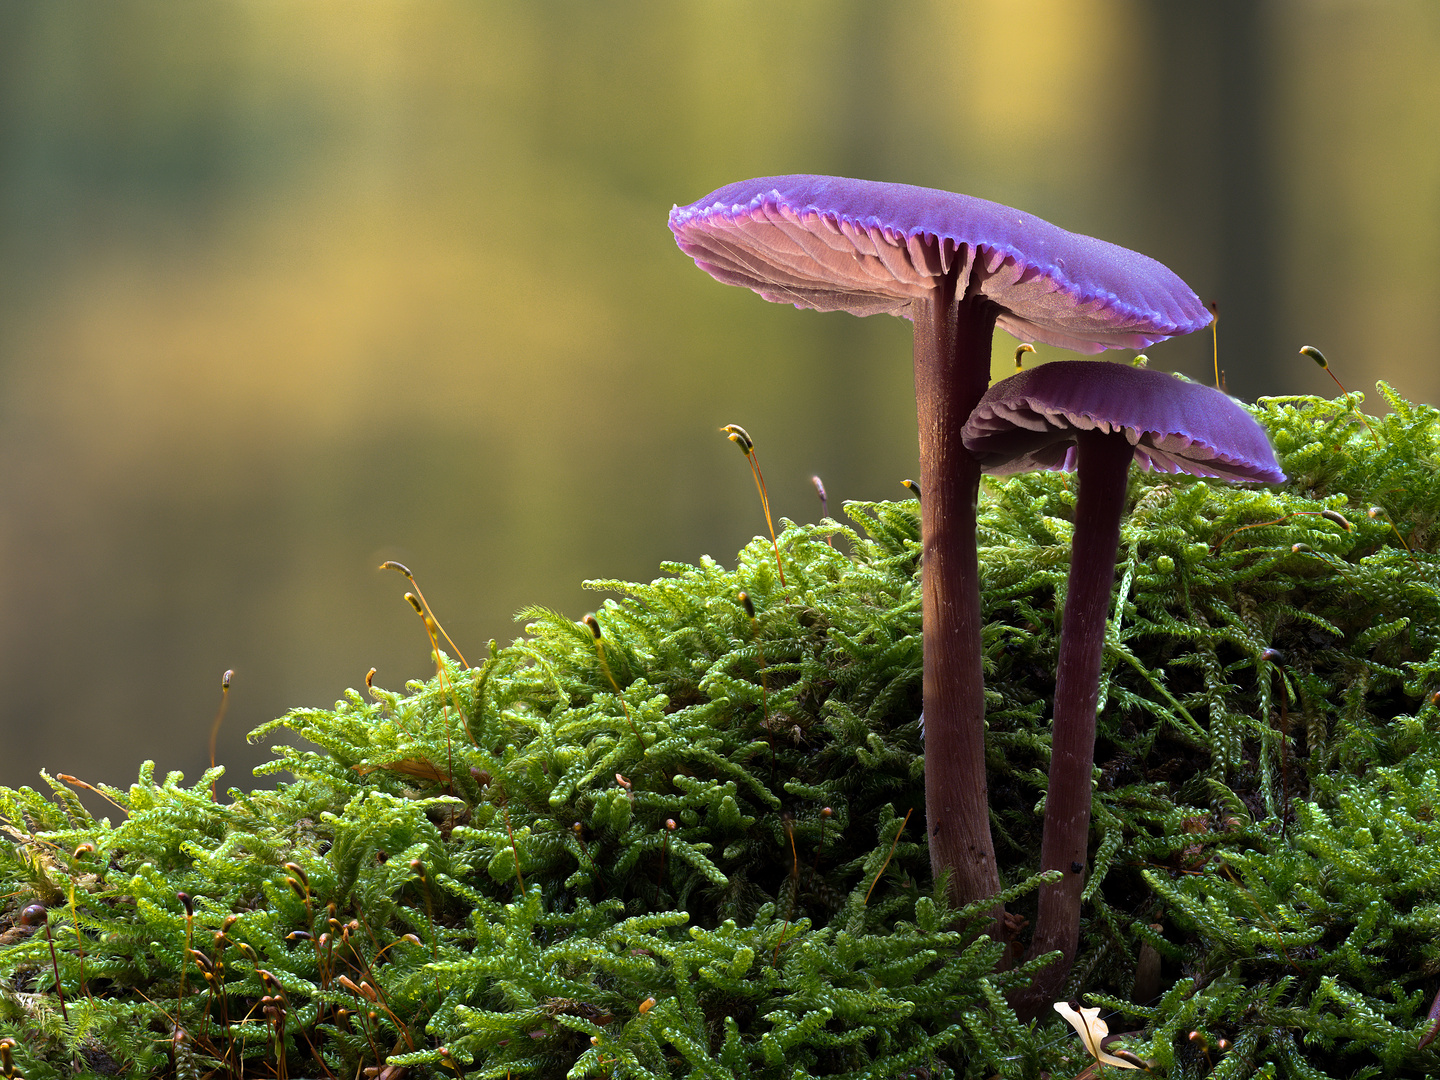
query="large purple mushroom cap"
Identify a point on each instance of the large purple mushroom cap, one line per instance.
(1030, 421)
(866, 247)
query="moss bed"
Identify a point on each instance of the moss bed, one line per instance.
(695, 846)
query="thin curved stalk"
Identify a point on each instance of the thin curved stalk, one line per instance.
(1103, 468)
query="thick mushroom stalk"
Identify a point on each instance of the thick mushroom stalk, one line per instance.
(1097, 419)
(957, 267)
(952, 369)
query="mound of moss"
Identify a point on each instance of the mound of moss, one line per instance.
(694, 845)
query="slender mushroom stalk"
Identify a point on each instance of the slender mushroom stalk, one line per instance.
(1097, 418)
(957, 267)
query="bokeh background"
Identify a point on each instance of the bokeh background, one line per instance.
(287, 289)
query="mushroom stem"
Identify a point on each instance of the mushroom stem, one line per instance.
(1103, 460)
(952, 369)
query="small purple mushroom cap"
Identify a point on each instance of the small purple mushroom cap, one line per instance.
(1030, 421)
(1097, 418)
(866, 247)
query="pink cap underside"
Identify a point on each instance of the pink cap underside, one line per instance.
(813, 260)
(1052, 315)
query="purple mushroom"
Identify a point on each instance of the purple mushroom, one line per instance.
(956, 267)
(1097, 418)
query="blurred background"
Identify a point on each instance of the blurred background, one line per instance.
(289, 289)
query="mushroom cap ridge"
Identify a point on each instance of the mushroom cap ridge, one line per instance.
(867, 247)
(1029, 421)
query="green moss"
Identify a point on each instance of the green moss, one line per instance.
(720, 869)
